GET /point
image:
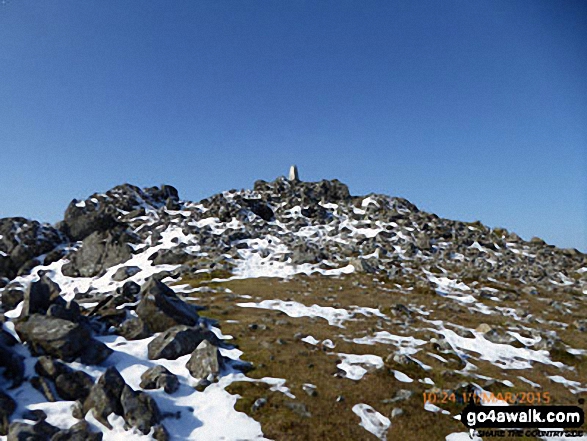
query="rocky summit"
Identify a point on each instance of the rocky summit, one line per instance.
(290, 311)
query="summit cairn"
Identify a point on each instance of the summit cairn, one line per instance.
(293, 173)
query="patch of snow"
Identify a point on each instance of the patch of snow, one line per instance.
(372, 421)
(352, 364)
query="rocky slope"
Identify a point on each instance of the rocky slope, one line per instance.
(111, 318)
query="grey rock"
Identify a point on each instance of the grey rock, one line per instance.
(157, 377)
(396, 412)
(134, 329)
(41, 431)
(298, 408)
(78, 432)
(125, 272)
(177, 341)
(205, 361)
(40, 295)
(74, 385)
(21, 241)
(139, 410)
(99, 251)
(258, 404)
(12, 295)
(61, 339)
(161, 309)
(105, 395)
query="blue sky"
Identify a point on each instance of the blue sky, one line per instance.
(469, 109)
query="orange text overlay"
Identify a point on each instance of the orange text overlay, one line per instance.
(488, 397)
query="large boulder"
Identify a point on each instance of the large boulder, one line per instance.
(139, 410)
(177, 341)
(160, 309)
(61, 339)
(157, 377)
(41, 431)
(22, 240)
(205, 361)
(102, 211)
(70, 384)
(39, 296)
(12, 295)
(100, 251)
(78, 432)
(104, 397)
(134, 329)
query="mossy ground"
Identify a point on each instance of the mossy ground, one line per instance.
(271, 340)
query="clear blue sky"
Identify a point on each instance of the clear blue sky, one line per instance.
(470, 109)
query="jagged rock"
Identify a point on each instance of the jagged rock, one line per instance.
(104, 397)
(160, 433)
(157, 377)
(12, 295)
(69, 311)
(74, 385)
(177, 341)
(134, 329)
(7, 408)
(99, 251)
(95, 353)
(161, 309)
(260, 208)
(61, 339)
(130, 290)
(41, 431)
(170, 257)
(40, 295)
(205, 361)
(100, 212)
(139, 410)
(22, 240)
(363, 266)
(125, 272)
(78, 432)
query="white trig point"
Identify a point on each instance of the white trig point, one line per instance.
(293, 173)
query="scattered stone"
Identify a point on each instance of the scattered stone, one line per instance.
(298, 408)
(41, 431)
(161, 309)
(258, 404)
(104, 397)
(12, 295)
(177, 341)
(310, 389)
(157, 377)
(78, 432)
(396, 412)
(125, 272)
(40, 295)
(205, 361)
(134, 329)
(139, 410)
